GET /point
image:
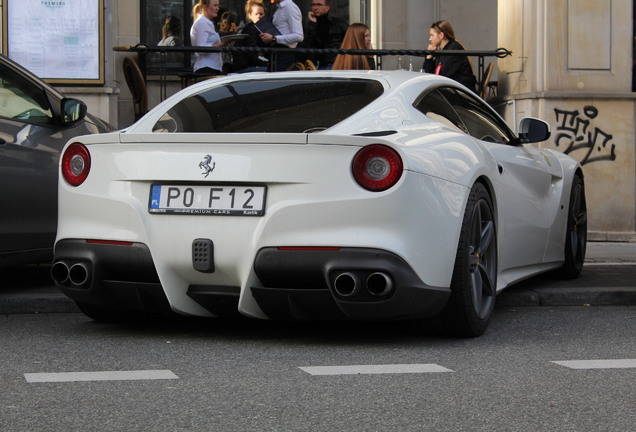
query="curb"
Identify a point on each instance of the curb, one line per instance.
(589, 296)
(56, 302)
(602, 283)
(605, 282)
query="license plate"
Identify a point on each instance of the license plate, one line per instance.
(217, 200)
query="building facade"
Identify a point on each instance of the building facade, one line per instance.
(572, 65)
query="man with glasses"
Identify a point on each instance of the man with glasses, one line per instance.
(323, 31)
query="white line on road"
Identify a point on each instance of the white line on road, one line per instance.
(100, 376)
(598, 364)
(375, 369)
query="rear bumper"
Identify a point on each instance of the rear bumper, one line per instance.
(290, 283)
(119, 277)
(307, 284)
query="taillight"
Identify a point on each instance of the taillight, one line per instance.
(76, 163)
(377, 167)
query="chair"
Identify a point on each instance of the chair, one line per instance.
(492, 89)
(485, 81)
(137, 86)
(298, 66)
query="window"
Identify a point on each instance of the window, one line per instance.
(178, 13)
(171, 17)
(22, 100)
(479, 119)
(437, 108)
(286, 106)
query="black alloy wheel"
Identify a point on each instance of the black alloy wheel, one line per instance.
(576, 232)
(474, 281)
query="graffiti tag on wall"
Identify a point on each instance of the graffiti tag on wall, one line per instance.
(576, 132)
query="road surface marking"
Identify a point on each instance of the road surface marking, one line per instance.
(375, 369)
(99, 376)
(598, 364)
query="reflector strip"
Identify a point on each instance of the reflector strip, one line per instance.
(100, 376)
(110, 242)
(598, 364)
(308, 248)
(375, 369)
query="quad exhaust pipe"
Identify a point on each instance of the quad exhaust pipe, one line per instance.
(378, 284)
(347, 284)
(59, 272)
(76, 275)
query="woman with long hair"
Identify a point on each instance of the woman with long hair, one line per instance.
(442, 37)
(170, 31)
(358, 36)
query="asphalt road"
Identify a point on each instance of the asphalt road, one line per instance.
(60, 371)
(246, 375)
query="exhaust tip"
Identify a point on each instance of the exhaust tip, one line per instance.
(379, 284)
(59, 272)
(78, 274)
(346, 284)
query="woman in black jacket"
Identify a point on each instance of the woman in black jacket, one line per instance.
(250, 61)
(442, 37)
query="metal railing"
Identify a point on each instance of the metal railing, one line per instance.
(273, 51)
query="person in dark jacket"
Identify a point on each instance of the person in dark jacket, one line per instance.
(251, 61)
(442, 37)
(323, 31)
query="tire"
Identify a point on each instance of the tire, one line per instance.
(576, 232)
(474, 281)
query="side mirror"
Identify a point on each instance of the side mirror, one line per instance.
(532, 130)
(72, 110)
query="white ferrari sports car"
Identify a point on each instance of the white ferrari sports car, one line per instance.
(382, 195)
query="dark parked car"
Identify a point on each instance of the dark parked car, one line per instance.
(35, 123)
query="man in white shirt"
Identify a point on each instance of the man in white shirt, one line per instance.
(289, 22)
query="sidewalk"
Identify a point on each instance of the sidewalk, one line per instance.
(608, 278)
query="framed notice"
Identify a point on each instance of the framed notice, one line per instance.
(61, 41)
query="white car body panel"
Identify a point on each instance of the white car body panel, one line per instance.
(297, 214)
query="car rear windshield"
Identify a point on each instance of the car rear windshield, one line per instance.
(301, 105)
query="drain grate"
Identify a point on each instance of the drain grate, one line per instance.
(203, 255)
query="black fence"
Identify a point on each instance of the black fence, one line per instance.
(163, 51)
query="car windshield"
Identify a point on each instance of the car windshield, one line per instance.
(302, 105)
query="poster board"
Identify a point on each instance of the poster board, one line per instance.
(61, 41)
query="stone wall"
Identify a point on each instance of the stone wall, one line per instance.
(571, 66)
